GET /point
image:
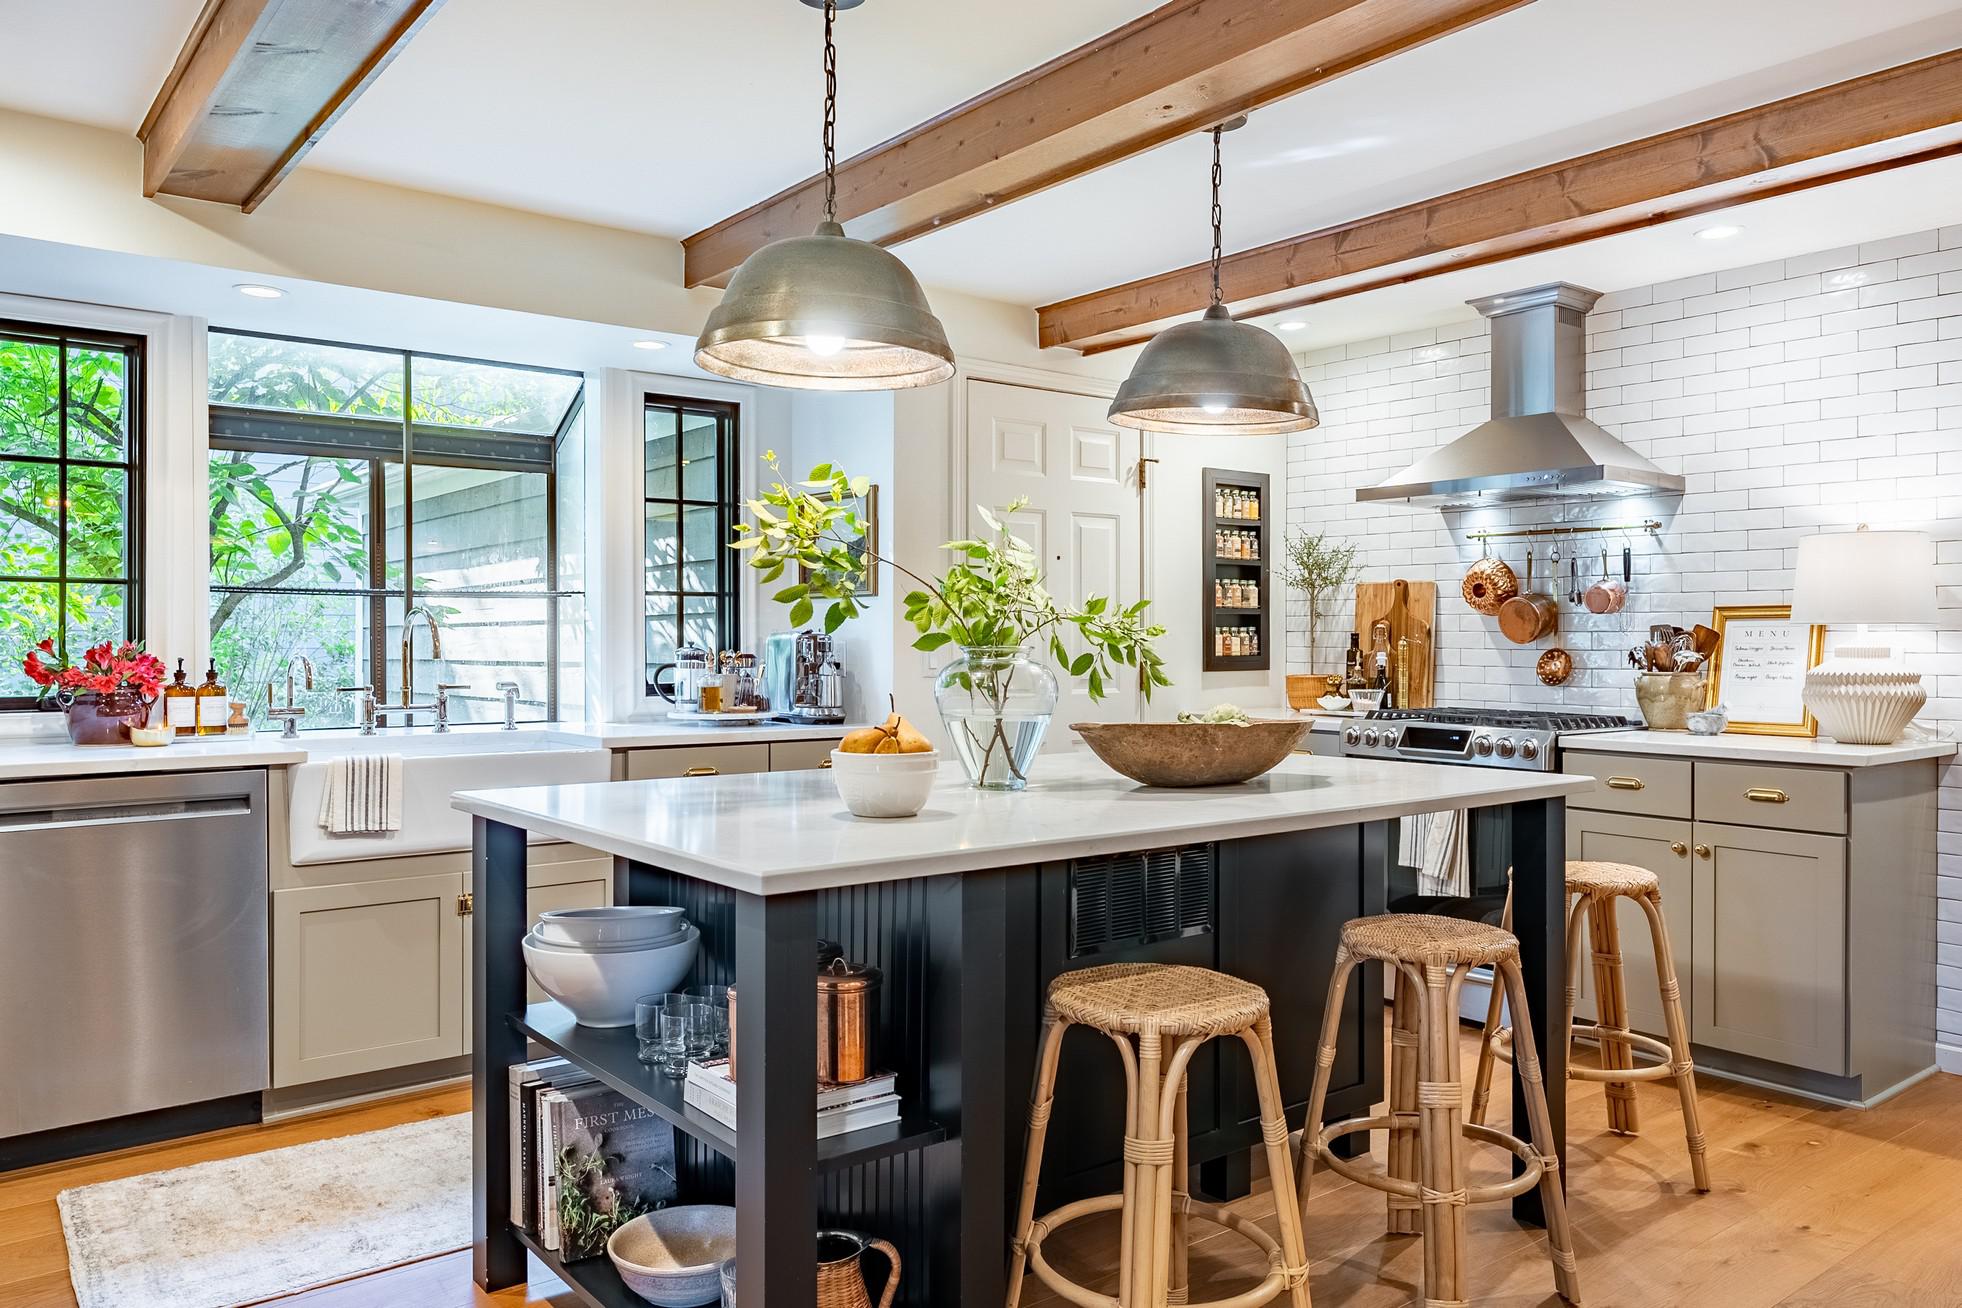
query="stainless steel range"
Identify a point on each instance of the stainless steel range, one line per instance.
(1527, 739)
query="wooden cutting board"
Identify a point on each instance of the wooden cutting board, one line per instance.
(1410, 607)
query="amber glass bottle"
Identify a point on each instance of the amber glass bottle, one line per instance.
(181, 704)
(211, 703)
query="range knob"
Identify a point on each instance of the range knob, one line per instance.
(1369, 738)
(1390, 737)
(1351, 736)
(1506, 748)
(1529, 750)
(1482, 747)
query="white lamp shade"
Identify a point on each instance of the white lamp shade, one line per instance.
(1880, 577)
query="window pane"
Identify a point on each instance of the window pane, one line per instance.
(29, 612)
(459, 394)
(701, 475)
(98, 415)
(298, 375)
(476, 528)
(701, 548)
(663, 546)
(30, 398)
(260, 503)
(485, 641)
(663, 630)
(702, 622)
(98, 513)
(569, 462)
(254, 635)
(30, 516)
(659, 454)
(95, 614)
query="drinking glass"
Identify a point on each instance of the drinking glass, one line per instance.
(647, 1026)
(672, 1018)
(701, 1022)
(727, 1275)
(717, 998)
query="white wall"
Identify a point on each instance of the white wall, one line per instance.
(1809, 394)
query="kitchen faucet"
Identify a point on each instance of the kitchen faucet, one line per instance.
(292, 713)
(440, 706)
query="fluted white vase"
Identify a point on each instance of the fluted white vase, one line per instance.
(1863, 696)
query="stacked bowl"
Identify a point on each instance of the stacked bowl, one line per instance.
(597, 961)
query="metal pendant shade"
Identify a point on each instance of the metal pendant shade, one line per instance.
(1215, 377)
(826, 312)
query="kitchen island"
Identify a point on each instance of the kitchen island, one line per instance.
(969, 908)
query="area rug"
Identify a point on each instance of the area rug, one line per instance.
(240, 1230)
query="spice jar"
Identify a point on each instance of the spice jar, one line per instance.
(847, 999)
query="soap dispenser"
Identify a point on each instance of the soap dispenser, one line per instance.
(211, 703)
(181, 704)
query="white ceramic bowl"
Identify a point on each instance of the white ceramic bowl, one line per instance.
(599, 988)
(672, 1257)
(620, 924)
(538, 938)
(1333, 703)
(884, 785)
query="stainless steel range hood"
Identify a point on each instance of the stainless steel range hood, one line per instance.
(1539, 443)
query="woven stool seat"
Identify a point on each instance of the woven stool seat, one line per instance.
(1169, 999)
(1609, 879)
(1423, 938)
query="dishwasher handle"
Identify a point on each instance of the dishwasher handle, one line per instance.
(76, 816)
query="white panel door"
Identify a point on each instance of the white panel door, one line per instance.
(1079, 474)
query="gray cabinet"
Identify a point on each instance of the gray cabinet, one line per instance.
(1663, 846)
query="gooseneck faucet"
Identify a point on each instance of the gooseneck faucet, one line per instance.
(440, 706)
(290, 715)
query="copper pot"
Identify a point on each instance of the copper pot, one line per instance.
(1529, 615)
(1488, 584)
(1608, 595)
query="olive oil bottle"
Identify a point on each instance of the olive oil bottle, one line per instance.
(181, 704)
(211, 703)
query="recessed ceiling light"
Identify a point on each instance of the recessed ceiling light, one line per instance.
(1721, 232)
(650, 345)
(259, 292)
(1292, 326)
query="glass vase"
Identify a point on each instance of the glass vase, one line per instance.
(995, 702)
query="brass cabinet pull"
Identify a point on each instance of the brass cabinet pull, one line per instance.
(1627, 783)
(825, 763)
(1679, 849)
(466, 904)
(1766, 795)
(1703, 851)
(702, 772)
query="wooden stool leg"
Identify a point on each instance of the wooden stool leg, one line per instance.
(1040, 1101)
(1680, 1061)
(1406, 1018)
(1280, 1176)
(1147, 1270)
(1161, 1149)
(1494, 1011)
(1338, 987)
(1181, 1184)
(1611, 1011)
(1440, 1107)
(1526, 1060)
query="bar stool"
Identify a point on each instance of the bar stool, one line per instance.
(1158, 1016)
(1595, 887)
(1432, 956)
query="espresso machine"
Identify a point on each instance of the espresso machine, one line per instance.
(803, 678)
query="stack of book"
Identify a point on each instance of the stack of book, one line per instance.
(558, 1110)
(840, 1108)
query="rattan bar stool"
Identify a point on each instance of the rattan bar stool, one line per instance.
(1158, 1016)
(1432, 956)
(1594, 888)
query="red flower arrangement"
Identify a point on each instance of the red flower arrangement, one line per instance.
(104, 669)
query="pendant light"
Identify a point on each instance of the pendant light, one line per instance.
(826, 312)
(1215, 376)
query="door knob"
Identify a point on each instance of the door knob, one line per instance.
(1703, 851)
(1679, 849)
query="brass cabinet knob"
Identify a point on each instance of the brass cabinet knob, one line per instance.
(1679, 849)
(1766, 795)
(825, 764)
(702, 772)
(1703, 851)
(1626, 783)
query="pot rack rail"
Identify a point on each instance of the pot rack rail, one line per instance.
(1651, 526)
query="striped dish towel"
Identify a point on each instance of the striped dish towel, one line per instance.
(362, 796)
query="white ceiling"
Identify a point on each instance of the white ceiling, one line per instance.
(92, 61)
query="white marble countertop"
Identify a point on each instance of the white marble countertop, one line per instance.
(1795, 750)
(38, 757)
(712, 827)
(655, 734)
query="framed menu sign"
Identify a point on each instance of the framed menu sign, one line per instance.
(1759, 672)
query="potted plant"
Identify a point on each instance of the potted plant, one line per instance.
(112, 689)
(996, 698)
(1317, 567)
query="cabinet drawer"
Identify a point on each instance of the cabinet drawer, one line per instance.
(703, 760)
(1631, 783)
(798, 755)
(1759, 795)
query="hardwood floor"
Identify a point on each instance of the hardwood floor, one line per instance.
(1811, 1208)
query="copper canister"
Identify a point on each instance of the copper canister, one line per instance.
(827, 954)
(847, 1000)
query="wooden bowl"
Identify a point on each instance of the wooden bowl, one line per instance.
(1191, 753)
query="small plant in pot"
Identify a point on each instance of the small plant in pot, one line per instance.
(996, 698)
(111, 690)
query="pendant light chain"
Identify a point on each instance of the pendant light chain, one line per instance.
(1218, 213)
(830, 114)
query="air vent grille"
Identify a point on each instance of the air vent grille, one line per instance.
(1120, 901)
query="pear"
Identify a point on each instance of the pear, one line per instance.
(911, 741)
(866, 740)
(888, 745)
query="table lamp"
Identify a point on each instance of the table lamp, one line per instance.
(1864, 694)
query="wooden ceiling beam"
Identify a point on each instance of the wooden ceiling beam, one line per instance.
(1889, 119)
(1176, 70)
(257, 83)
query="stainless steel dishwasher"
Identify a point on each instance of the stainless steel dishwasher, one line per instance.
(134, 962)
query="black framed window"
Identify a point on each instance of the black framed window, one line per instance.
(349, 484)
(71, 472)
(690, 485)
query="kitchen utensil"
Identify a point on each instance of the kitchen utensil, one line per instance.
(841, 1273)
(673, 1256)
(1705, 640)
(1489, 583)
(1193, 753)
(1607, 595)
(1554, 667)
(1573, 579)
(1530, 614)
(1661, 657)
(1410, 609)
(847, 1004)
